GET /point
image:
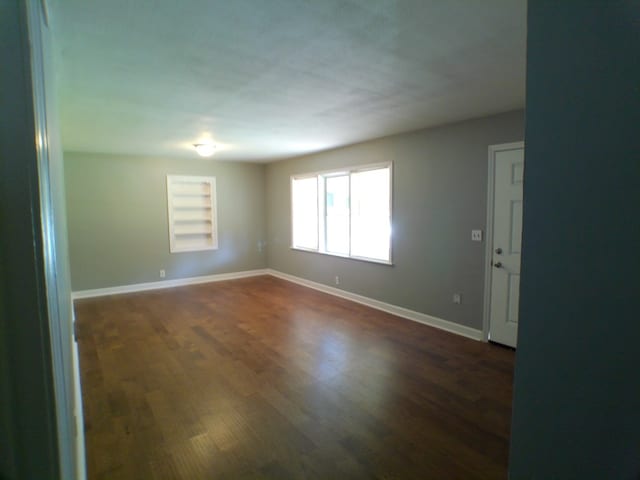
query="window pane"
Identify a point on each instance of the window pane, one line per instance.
(371, 214)
(304, 205)
(337, 214)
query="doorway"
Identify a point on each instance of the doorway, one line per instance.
(504, 239)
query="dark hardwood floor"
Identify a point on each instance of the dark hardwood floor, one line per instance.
(262, 378)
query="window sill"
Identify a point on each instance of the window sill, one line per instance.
(346, 257)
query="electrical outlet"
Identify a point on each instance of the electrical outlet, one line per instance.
(337, 280)
(162, 273)
(457, 298)
(476, 235)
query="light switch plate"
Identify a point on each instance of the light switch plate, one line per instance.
(476, 235)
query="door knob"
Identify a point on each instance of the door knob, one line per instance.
(498, 250)
(498, 264)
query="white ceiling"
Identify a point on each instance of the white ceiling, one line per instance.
(269, 79)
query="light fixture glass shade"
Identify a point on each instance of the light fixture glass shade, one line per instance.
(205, 149)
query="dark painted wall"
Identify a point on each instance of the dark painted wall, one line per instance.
(577, 384)
(28, 444)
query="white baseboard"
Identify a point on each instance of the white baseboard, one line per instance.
(370, 302)
(179, 282)
(81, 463)
(385, 307)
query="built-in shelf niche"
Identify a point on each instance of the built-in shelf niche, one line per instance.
(192, 213)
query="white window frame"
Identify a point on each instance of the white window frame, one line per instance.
(322, 199)
(202, 217)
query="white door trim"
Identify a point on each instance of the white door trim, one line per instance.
(488, 254)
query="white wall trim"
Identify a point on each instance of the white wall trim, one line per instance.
(178, 282)
(488, 254)
(370, 302)
(385, 307)
(81, 462)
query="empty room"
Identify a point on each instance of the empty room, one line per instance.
(299, 239)
(259, 312)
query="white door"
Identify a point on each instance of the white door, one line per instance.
(506, 165)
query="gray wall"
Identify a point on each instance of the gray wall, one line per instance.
(119, 234)
(576, 409)
(439, 196)
(118, 225)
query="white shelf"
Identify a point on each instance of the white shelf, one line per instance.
(191, 203)
(192, 230)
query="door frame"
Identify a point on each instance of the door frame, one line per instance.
(56, 288)
(488, 253)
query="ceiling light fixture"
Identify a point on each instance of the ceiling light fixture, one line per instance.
(205, 149)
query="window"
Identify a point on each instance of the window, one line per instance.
(345, 212)
(192, 213)
(305, 213)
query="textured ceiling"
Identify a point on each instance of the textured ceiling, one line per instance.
(269, 79)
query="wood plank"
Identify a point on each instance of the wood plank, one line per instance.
(262, 378)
